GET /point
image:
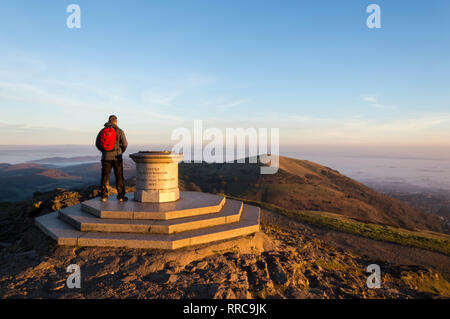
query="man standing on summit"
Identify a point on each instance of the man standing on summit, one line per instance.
(111, 141)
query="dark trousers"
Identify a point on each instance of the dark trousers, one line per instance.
(117, 165)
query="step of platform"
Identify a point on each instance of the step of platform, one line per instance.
(66, 234)
(189, 204)
(230, 213)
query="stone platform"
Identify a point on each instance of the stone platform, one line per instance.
(196, 218)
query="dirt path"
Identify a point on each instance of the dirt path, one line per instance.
(372, 249)
(285, 260)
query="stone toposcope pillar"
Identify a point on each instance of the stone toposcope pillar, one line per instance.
(156, 176)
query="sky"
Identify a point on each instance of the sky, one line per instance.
(313, 69)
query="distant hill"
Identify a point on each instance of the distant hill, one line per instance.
(56, 174)
(67, 160)
(20, 181)
(304, 185)
(92, 170)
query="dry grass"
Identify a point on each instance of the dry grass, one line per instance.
(419, 239)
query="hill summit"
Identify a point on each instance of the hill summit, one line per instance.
(289, 258)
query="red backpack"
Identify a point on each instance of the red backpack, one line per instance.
(108, 137)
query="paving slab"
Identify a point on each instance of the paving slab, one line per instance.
(52, 226)
(65, 234)
(189, 204)
(86, 222)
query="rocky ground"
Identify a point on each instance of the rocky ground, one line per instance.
(280, 262)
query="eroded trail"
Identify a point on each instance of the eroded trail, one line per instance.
(280, 263)
(372, 249)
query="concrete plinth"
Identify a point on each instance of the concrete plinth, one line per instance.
(156, 176)
(189, 204)
(157, 196)
(65, 234)
(157, 216)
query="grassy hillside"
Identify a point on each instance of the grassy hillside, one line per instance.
(307, 186)
(420, 239)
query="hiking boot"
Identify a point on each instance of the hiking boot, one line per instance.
(123, 199)
(104, 199)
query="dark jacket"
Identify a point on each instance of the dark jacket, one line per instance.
(119, 147)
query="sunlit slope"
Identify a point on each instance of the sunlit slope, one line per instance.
(305, 185)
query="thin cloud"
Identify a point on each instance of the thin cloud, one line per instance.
(222, 103)
(295, 129)
(371, 99)
(30, 94)
(232, 104)
(374, 103)
(159, 97)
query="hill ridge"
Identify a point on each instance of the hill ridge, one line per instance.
(305, 185)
